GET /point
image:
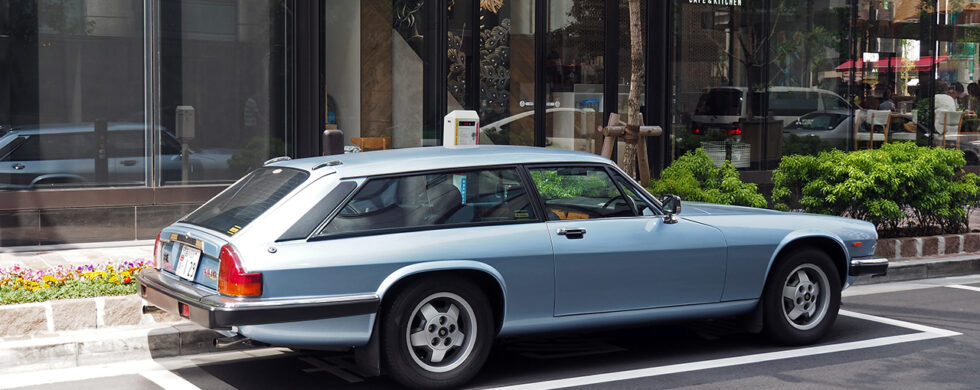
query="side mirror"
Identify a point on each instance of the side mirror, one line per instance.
(672, 207)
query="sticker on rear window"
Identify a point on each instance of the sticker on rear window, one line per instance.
(233, 230)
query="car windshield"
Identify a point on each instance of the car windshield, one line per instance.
(720, 102)
(240, 204)
(817, 121)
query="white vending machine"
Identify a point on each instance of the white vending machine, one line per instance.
(461, 127)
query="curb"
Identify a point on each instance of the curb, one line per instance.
(91, 347)
(901, 270)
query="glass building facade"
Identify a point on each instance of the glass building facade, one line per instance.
(119, 116)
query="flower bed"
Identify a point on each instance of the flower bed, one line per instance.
(21, 284)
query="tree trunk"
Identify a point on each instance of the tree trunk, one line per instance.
(636, 85)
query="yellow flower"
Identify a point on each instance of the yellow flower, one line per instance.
(125, 274)
(16, 287)
(45, 286)
(114, 280)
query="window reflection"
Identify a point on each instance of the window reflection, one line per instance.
(71, 67)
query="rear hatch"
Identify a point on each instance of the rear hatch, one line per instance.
(191, 249)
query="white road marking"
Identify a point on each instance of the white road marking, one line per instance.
(168, 380)
(962, 287)
(891, 287)
(32, 378)
(925, 333)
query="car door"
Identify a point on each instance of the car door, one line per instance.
(127, 156)
(60, 159)
(613, 250)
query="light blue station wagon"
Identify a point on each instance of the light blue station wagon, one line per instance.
(418, 258)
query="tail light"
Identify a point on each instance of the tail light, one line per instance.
(232, 279)
(735, 131)
(156, 252)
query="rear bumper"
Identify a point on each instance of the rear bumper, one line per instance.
(874, 266)
(216, 311)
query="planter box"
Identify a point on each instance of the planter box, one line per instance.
(77, 314)
(929, 246)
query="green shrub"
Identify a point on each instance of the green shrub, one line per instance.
(901, 188)
(694, 177)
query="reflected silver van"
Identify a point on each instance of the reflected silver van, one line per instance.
(723, 108)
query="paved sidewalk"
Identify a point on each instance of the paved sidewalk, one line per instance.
(161, 337)
(49, 256)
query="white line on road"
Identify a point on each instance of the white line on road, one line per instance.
(42, 377)
(168, 380)
(962, 287)
(926, 333)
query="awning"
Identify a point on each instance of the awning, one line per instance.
(922, 64)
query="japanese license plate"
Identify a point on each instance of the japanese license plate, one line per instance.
(187, 262)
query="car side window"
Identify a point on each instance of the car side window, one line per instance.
(580, 193)
(639, 204)
(6, 147)
(451, 198)
(126, 144)
(29, 150)
(55, 147)
(170, 145)
(831, 102)
(792, 103)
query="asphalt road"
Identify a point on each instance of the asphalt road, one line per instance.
(922, 334)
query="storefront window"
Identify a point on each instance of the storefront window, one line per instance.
(222, 98)
(575, 74)
(373, 52)
(71, 95)
(506, 80)
(755, 80)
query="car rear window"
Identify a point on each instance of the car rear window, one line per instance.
(720, 102)
(238, 206)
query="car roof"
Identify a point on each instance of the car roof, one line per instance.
(772, 89)
(431, 158)
(63, 128)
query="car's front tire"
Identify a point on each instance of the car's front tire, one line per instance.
(801, 298)
(436, 333)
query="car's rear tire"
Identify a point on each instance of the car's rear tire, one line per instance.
(801, 298)
(436, 333)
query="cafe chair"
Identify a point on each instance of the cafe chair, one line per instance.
(874, 118)
(948, 123)
(372, 143)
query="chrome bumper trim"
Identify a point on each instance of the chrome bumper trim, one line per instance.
(868, 266)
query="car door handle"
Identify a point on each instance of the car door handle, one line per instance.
(128, 163)
(571, 232)
(18, 166)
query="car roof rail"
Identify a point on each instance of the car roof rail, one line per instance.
(276, 159)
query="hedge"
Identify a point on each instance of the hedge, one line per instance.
(902, 188)
(694, 177)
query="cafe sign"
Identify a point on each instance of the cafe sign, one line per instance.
(737, 3)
